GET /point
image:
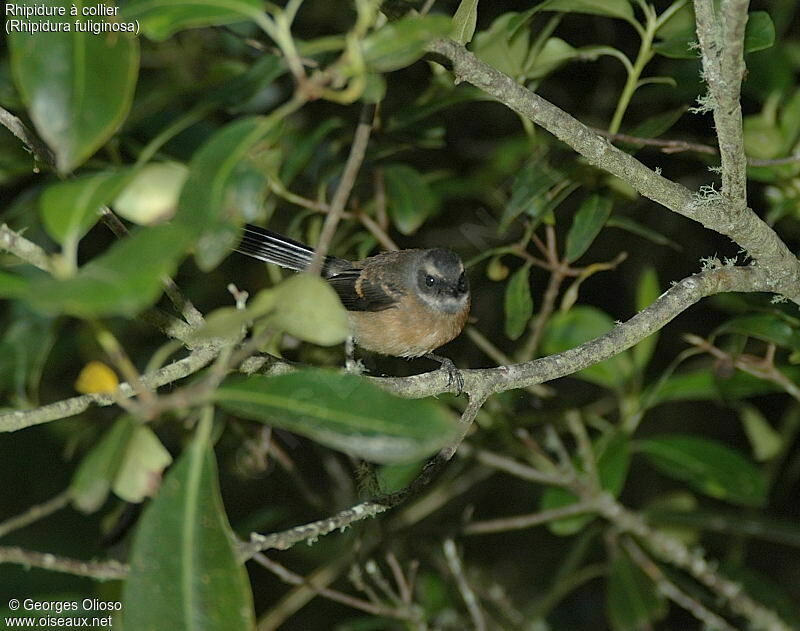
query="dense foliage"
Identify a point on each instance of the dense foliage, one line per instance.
(151, 425)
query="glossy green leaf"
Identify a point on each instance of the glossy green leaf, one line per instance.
(69, 209)
(161, 18)
(139, 472)
(765, 441)
(128, 459)
(210, 204)
(304, 306)
(93, 478)
(518, 302)
(609, 8)
(77, 86)
(632, 599)
(763, 326)
(123, 281)
(342, 411)
(587, 224)
(399, 44)
(613, 457)
(759, 33)
(647, 291)
(581, 324)
(504, 45)
(184, 569)
(410, 200)
(707, 466)
(465, 20)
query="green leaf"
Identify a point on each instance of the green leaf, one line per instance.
(518, 302)
(705, 385)
(613, 457)
(767, 327)
(161, 18)
(304, 306)
(128, 459)
(707, 466)
(25, 347)
(184, 570)
(764, 440)
(759, 33)
(632, 600)
(587, 224)
(92, 480)
(530, 191)
(123, 281)
(302, 146)
(152, 195)
(139, 472)
(555, 53)
(654, 126)
(342, 411)
(647, 291)
(13, 286)
(465, 21)
(504, 45)
(680, 45)
(210, 204)
(399, 44)
(78, 87)
(621, 9)
(581, 324)
(409, 198)
(69, 209)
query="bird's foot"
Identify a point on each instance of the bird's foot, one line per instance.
(454, 376)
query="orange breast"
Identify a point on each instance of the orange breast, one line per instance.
(411, 329)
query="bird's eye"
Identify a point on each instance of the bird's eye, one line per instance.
(430, 281)
(462, 283)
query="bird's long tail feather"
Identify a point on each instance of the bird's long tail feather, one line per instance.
(271, 247)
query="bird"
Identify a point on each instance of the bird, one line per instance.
(405, 304)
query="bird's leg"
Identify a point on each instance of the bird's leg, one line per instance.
(454, 376)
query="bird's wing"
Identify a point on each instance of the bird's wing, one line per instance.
(360, 291)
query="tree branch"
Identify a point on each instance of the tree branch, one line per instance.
(40, 150)
(721, 40)
(100, 570)
(737, 222)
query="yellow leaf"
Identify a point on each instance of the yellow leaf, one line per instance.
(96, 378)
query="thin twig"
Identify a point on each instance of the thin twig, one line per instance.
(523, 522)
(38, 148)
(357, 152)
(23, 249)
(99, 570)
(35, 513)
(464, 588)
(669, 589)
(287, 576)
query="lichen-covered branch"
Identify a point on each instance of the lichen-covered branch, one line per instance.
(99, 570)
(721, 37)
(737, 222)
